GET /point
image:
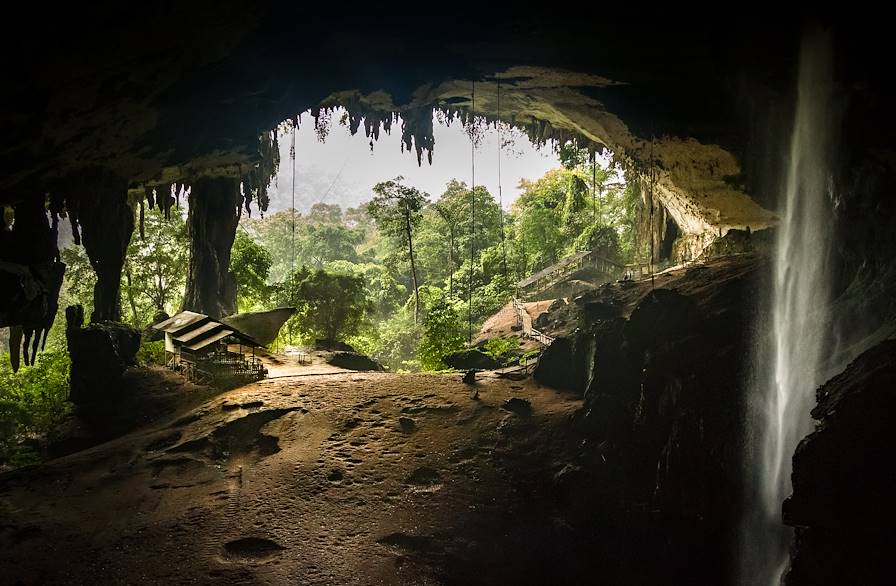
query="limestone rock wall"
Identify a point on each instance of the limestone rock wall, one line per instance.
(843, 484)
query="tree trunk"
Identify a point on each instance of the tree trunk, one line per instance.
(407, 219)
(107, 222)
(451, 261)
(215, 206)
(131, 299)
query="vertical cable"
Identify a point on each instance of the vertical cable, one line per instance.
(594, 186)
(500, 190)
(652, 176)
(292, 156)
(472, 210)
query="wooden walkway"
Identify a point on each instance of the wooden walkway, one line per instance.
(557, 272)
(524, 321)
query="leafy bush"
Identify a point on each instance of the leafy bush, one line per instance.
(330, 306)
(443, 334)
(151, 353)
(33, 402)
(250, 264)
(499, 347)
(397, 343)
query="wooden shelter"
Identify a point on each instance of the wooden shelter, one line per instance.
(197, 346)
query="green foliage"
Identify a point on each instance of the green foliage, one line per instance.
(322, 236)
(155, 269)
(535, 353)
(446, 233)
(500, 347)
(330, 306)
(33, 402)
(397, 209)
(384, 291)
(250, 264)
(396, 343)
(604, 240)
(577, 207)
(325, 213)
(571, 156)
(537, 228)
(152, 279)
(78, 281)
(443, 334)
(151, 353)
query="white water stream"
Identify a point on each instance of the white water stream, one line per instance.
(800, 297)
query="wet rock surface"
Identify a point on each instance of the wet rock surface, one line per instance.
(843, 484)
(662, 369)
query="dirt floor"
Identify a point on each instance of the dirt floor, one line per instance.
(336, 478)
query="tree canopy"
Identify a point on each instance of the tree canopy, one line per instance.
(400, 276)
(330, 306)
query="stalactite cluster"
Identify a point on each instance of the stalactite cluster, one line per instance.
(107, 220)
(30, 279)
(258, 178)
(417, 123)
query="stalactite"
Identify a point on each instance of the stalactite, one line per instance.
(259, 177)
(57, 209)
(164, 200)
(377, 113)
(32, 277)
(107, 219)
(72, 207)
(142, 219)
(417, 132)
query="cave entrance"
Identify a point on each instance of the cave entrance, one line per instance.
(426, 240)
(223, 244)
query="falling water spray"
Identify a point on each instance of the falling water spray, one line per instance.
(794, 355)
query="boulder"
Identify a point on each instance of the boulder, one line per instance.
(354, 361)
(100, 354)
(336, 345)
(517, 406)
(555, 367)
(472, 358)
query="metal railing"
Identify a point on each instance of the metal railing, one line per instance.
(525, 325)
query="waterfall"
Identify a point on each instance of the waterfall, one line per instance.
(792, 363)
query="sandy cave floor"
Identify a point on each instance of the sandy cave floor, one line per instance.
(341, 478)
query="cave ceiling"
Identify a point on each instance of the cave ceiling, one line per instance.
(184, 91)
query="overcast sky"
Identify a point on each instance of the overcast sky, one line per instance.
(343, 170)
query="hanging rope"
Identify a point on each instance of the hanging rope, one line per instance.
(651, 179)
(292, 156)
(472, 210)
(594, 185)
(500, 192)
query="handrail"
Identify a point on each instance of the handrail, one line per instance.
(529, 331)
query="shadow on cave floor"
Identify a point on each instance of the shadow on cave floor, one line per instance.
(361, 478)
(338, 479)
(148, 395)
